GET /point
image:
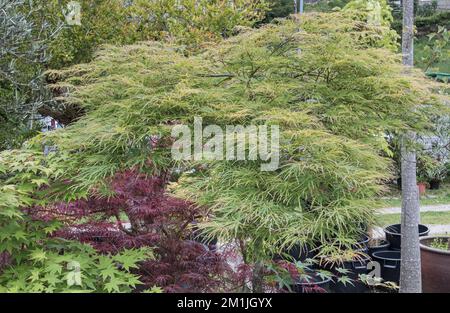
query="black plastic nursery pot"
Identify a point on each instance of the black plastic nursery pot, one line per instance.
(435, 184)
(394, 237)
(376, 245)
(355, 268)
(301, 253)
(362, 244)
(314, 284)
(389, 261)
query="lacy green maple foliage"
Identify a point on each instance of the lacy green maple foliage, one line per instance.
(326, 80)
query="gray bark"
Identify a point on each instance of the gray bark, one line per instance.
(408, 33)
(410, 272)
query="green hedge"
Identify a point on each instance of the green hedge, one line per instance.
(426, 24)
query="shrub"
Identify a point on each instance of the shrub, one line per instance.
(327, 80)
(145, 216)
(32, 259)
(24, 51)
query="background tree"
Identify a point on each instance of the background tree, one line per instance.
(24, 43)
(190, 23)
(120, 22)
(279, 9)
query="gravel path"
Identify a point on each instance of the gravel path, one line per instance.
(425, 208)
(378, 232)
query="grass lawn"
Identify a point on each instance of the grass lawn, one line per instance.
(432, 197)
(425, 218)
(419, 44)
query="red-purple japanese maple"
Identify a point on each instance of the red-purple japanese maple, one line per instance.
(141, 213)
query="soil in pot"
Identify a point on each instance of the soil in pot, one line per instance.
(435, 258)
(302, 253)
(376, 245)
(394, 237)
(390, 265)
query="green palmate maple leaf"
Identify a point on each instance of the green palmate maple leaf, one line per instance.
(129, 258)
(35, 275)
(113, 285)
(54, 268)
(107, 268)
(154, 289)
(342, 270)
(323, 274)
(126, 262)
(345, 280)
(38, 255)
(51, 278)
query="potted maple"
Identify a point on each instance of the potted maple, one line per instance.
(298, 277)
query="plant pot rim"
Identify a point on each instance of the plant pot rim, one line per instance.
(305, 283)
(381, 243)
(431, 249)
(387, 231)
(357, 258)
(365, 238)
(376, 255)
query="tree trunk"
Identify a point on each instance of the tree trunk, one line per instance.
(258, 278)
(410, 272)
(258, 268)
(408, 33)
